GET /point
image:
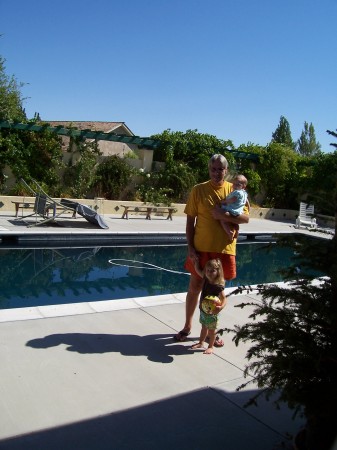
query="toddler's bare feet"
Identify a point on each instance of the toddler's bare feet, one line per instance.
(198, 345)
(208, 351)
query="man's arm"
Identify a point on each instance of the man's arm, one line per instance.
(198, 268)
(219, 214)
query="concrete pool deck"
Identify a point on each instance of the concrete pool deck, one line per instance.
(77, 230)
(110, 376)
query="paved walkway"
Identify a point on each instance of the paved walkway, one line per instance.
(136, 225)
(109, 375)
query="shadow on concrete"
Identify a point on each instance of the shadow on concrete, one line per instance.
(203, 419)
(66, 223)
(158, 348)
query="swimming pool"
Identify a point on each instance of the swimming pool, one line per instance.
(51, 276)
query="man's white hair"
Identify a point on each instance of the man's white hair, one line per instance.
(218, 157)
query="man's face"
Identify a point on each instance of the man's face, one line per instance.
(217, 172)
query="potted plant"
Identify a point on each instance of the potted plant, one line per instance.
(293, 332)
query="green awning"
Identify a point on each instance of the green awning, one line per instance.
(145, 142)
(244, 155)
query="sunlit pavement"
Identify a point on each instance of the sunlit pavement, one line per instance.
(109, 375)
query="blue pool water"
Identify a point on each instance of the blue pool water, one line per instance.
(49, 276)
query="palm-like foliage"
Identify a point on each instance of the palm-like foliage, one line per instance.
(293, 336)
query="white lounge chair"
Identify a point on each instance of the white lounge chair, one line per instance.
(305, 216)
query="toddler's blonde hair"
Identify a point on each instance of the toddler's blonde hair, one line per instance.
(216, 264)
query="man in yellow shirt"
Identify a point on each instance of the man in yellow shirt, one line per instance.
(205, 236)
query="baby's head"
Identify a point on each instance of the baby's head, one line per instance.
(213, 271)
(240, 182)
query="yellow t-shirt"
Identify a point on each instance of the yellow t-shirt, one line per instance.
(209, 236)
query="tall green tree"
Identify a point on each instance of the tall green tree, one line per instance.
(79, 176)
(192, 148)
(279, 175)
(332, 133)
(250, 169)
(10, 96)
(325, 178)
(307, 144)
(282, 134)
(28, 154)
(33, 155)
(319, 184)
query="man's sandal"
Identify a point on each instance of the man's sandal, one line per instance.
(182, 336)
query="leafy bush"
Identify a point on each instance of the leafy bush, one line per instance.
(293, 336)
(193, 149)
(112, 177)
(150, 190)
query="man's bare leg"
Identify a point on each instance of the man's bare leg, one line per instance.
(192, 298)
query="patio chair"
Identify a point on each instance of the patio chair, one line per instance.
(305, 216)
(85, 211)
(50, 209)
(45, 207)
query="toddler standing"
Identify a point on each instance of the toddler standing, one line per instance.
(213, 286)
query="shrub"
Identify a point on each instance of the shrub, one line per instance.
(112, 177)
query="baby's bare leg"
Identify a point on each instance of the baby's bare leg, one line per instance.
(227, 227)
(235, 230)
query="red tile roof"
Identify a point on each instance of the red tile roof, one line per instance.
(106, 127)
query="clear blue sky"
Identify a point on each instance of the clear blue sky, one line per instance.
(229, 68)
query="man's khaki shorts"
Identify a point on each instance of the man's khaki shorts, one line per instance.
(228, 263)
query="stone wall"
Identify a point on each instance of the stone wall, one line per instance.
(103, 206)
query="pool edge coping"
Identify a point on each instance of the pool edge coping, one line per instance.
(102, 306)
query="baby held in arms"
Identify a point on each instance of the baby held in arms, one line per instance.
(234, 203)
